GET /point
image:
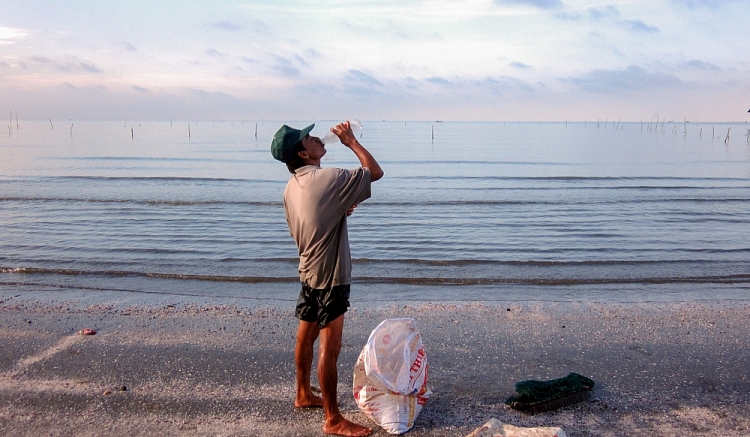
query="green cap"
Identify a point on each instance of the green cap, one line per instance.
(282, 146)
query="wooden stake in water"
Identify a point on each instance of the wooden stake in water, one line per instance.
(71, 130)
(256, 131)
(433, 132)
(17, 126)
(188, 130)
(131, 133)
(50, 123)
(727, 138)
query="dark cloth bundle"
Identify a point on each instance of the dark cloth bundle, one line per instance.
(537, 396)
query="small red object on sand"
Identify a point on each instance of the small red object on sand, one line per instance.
(87, 331)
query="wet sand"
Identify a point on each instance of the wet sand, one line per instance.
(192, 369)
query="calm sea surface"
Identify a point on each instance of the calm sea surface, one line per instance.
(484, 211)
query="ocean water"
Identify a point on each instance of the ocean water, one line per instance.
(467, 211)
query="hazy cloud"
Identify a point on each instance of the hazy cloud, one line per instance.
(127, 46)
(363, 78)
(638, 26)
(140, 89)
(520, 65)
(609, 11)
(704, 3)
(42, 59)
(213, 52)
(249, 60)
(568, 16)
(91, 68)
(633, 78)
(438, 80)
(226, 25)
(541, 4)
(9, 35)
(701, 65)
(285, 66)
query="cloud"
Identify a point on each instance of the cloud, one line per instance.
(127, 46)
(438, 80)
(541, 4)
(140, 89)
(568, 16)
(701, 65)
(608, 11)
(213, 52)
(285, 66)
(9, 35)
(42, 59)
(611, 12)
(249, 60)
(68, 64)
(638, 26)
(89, 67)
(633, 78)
(362, 78)
(704, 3)
(520, 65)
(226, 25)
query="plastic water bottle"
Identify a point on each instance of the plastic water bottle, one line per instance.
(331, 137)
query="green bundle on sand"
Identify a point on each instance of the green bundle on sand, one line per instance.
(537, 396)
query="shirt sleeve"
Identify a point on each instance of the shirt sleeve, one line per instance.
(354, 186)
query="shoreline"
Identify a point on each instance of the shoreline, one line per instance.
(191, 368)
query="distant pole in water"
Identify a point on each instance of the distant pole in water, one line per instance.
(17, 126)
(727, 138)
(685, 128)
(713, 132)
(188, 130)
(170, 122)
(256, 131)
(243, 121)
(50, 123)
(701, 133)
(71, 130)
(131, 133)
(433, 132)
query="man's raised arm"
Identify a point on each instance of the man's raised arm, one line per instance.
(345, 134)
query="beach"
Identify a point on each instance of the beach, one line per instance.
(197, 368)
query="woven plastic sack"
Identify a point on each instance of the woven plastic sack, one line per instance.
(390, 376)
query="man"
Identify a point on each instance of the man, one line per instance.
(317, 202)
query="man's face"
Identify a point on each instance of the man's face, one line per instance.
(314, 147)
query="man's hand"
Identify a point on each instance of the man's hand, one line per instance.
(350, 210)
(345, 134)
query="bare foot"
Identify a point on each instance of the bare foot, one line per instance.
(344, 427)
(311, 401)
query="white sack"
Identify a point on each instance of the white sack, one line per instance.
(390, 376)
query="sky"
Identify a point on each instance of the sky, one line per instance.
(493, 60)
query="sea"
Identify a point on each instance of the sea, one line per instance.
(494, 212)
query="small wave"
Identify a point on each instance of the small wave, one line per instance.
(142, 202)
(430, 281)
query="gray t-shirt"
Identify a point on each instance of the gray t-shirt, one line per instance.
(315, 201)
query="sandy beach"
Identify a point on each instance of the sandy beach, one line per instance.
(193, 369)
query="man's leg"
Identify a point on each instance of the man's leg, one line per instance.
(328, 355)
(307, 333)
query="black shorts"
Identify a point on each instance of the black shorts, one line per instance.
(322, 306)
